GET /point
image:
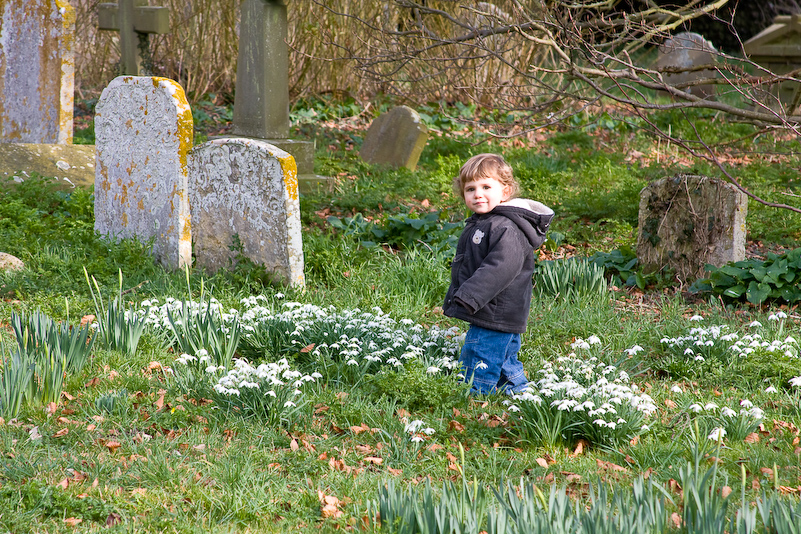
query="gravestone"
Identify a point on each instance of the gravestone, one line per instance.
(686, 222)
(395, 138)
(37, 71)
(244, 199)
(143, 132)
(679, 58)
(261, 102)
(778, 49)
(135, 20)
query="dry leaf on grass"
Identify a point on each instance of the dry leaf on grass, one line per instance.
(73, 521)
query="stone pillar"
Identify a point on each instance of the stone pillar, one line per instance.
(37, 71)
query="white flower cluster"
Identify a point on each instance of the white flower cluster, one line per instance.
(355, 337)
(266, 377)
(598, 391)
(157, 316)
(417, 431)
(702, 343)
(747, 410)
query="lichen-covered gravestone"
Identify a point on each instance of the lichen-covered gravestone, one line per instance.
(37, 71)
(244, 200)
(686, 222)
(683, 53)
(143, 134)
(395, 138)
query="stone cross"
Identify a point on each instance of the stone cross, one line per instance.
(261, 103)
(135, 20)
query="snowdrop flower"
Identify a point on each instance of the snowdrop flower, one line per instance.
(745, 403)
(428, 431)
(755, 324)
(676, 389)
(481, 365)
(644, 428)
(634, 350)
(412, 427)
(416, 439)
(790, 339)
(688, 351)
(717, 434)
(270, 393)
(696, 407)
(579, 344)
(594, 340)
(709, 406)
(433, 370)
(514, 408)
(796, 382)
(279, 295)
(727, 412)
(700, 358)
(289, 404)
(695, 318)
(771, 389)
(352, 362)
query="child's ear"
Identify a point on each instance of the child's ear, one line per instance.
(507, 192)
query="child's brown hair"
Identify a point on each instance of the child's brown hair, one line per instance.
(486, 166)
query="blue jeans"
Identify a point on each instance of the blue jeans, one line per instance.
(489, 357)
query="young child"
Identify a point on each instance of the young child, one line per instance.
(492, 270)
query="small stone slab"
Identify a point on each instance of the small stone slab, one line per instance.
(70, 165)
(244, 195)
(686, 222)
(396, 138)
(685, 51)
(9, 262)
(143, 134)
(37, 71)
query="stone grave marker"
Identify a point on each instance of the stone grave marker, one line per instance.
(395, 138)
(143, 131)
(244, 195)
(261, 102)
(37, 71)
(135, 20)
(683, 53)
(686, 222)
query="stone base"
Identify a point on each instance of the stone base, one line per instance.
(73, 165)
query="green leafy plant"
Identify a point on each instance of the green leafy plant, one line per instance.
(758, 281)
(623, 268)
(37, 330)
(16, 378)
(113, 402)
(118, 328)
(569, 279)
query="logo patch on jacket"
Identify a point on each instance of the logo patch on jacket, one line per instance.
(477, 237)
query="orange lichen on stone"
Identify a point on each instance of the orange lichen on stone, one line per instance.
(290, 171)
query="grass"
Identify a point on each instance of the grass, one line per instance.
(127, 447)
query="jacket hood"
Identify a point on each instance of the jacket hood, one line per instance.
(532, 217)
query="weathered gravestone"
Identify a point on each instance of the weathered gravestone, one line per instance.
(143, 132)
(395, 138)
(686, 222)
(680, 58)
(244, 199)
(37, 71)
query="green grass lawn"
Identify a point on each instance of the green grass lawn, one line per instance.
(644, 401)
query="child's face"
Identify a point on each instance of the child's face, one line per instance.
(482, 195)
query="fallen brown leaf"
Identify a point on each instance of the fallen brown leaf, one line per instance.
(61, 433)
(542, 462)
(73, 521)
(374, 460)
(753, 437)
(456, 426)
